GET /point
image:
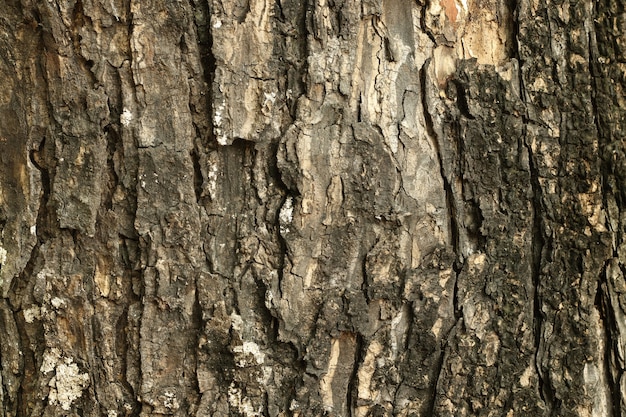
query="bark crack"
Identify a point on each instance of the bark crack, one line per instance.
(424, 26)
(593, 74)
(545, 389)
(198, 179)
(447, 187)
(603, 301)
(274, 172)
(454, 232)
(438, 372)
(538, 242)
(352, 391)
(432, 134)
(604, 307)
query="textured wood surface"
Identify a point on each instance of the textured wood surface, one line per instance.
(307, 208)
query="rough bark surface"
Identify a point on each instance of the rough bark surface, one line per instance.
(304, 208)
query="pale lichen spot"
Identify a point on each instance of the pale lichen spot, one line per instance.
(477, 262)
(67, 385)
(58, 302)
(241, 403)
(31, 314)
(285, 215)
(126, 117)
(222, 140)
(50, 358)
(212, 178)
(249, 349)
(170, 401)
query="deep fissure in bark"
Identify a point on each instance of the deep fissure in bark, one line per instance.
(603, 298)
(352, 393)
(538, 242)
(447, 188)
(603, 305)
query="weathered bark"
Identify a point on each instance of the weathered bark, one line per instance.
(301, 208)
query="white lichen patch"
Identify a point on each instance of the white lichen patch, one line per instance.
(31, 314)
(222, 138)
(58, 302)
(67, 384)
(241, 403)
(126, 117)
(476, 263)
(50, 359)
(212, 179)
(285, 216)
(3, 256)
(246, 350)
(170, 401)
(270, 98)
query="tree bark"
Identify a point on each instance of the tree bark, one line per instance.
(306, 208)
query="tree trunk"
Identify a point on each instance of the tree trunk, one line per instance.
(306, 208)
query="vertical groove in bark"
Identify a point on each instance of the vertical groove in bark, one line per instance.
(607, 52)
(452, 227)
(604, 306)
(537, 240)
(602, 301)
(545, 390)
